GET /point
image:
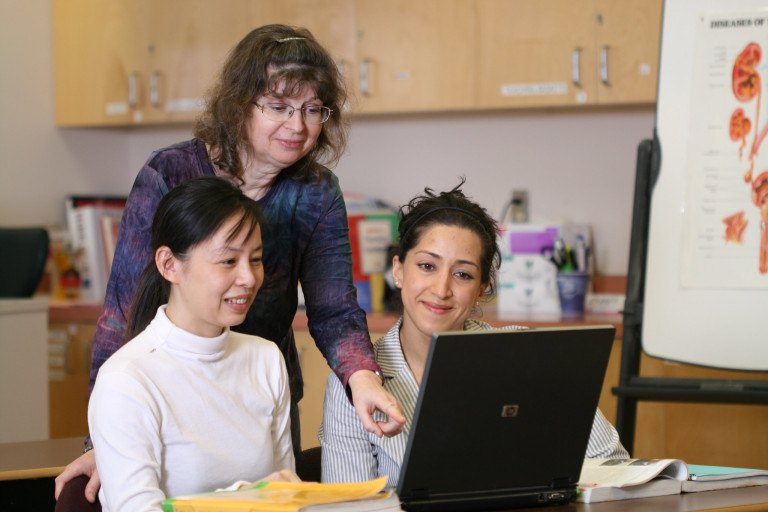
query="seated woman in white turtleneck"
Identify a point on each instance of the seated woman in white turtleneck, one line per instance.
(187, 405)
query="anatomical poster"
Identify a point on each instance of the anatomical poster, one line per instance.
(725, 209)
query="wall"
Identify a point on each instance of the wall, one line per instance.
(576, 165)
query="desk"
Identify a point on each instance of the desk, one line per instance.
(746, 499)
(27, 470)
(38, 459)
(45, 459)
(23, 369)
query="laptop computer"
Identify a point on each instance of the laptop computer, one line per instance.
(503, 418)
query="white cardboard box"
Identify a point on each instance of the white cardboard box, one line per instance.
(527, 283)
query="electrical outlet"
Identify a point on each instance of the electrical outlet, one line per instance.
(519, 206)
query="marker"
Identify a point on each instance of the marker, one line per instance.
(559, 252)
(581, 254)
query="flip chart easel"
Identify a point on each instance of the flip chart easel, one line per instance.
(632, 386)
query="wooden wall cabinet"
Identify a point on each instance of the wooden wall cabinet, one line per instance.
(628, 40)
(128, 62)
(534, 53)
(122, 62)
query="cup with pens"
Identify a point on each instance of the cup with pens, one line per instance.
(572, 273)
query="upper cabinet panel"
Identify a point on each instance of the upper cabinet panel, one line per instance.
(567, 52)
(333, 26)
(414, 55)
(119, 62)
(534, 53)
(188, 40)
(97, 60)
(627, 43)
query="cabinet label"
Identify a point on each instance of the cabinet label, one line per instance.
(542, 89)
(116, 108)
(185, 105)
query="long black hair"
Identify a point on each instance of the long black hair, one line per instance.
(189, 214)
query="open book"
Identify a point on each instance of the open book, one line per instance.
(710, 478)
(620, 479)
(288, 497)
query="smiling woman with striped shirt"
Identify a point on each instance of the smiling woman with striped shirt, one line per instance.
(445, 264)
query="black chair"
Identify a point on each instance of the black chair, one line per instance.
(23, 253)
(308, 464)
(72, 497)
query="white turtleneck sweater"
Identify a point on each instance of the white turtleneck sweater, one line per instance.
(172, 413)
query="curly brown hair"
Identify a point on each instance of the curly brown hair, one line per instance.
(268, 58)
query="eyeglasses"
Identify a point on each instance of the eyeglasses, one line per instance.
(280, 112)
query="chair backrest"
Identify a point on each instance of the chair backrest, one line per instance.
(308, 464)
(72, 497)
(23, 253)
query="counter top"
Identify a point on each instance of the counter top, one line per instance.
(25, 305)
(384, 321)
(88, 312)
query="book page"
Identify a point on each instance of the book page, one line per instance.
(625, 472)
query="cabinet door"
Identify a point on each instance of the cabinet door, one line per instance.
(188, 42)
(414, 55)
(69, 368)
(534, 53)
(333, 26)
(97, 49)
(628, 39)
(314, 370)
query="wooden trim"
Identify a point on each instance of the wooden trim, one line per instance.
(610, 284)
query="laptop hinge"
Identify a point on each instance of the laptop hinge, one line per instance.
(419, 494)
(560, 483)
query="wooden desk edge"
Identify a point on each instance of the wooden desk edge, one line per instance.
(38, 459)
(24, 474)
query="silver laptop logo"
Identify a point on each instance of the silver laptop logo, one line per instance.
(509, 411)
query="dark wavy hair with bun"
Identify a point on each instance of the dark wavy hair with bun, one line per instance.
(451, 208)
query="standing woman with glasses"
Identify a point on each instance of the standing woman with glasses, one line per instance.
(273, 124)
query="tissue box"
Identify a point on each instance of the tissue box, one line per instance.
(527, 283)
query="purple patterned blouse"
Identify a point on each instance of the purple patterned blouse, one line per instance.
(306, 238)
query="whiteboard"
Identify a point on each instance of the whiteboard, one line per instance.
(706, 297)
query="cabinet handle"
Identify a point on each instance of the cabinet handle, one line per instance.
(604, 65)
(68, 367)
(576, 66)
(154, 89)
(133, 79)
(364, 75)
